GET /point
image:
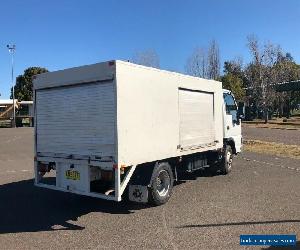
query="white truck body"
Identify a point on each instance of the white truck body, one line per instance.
(116, 115)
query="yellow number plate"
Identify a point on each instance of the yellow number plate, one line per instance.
(72, 175)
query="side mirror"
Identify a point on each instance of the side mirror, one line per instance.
(237, 122)
(241, 110)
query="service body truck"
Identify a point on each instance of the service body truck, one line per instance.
(115, 128)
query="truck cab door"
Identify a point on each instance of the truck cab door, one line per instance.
(231, 121)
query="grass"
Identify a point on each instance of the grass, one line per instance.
(276, 123)
(273, 126)
(280, 123)
(272, 148)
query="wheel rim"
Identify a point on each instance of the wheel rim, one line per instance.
(229, 160)
(163, 183)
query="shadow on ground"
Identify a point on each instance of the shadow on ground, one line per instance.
(26, 208)
(243, 223)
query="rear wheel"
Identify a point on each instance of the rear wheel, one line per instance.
(161, 184)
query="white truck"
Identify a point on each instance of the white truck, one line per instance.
(115, 128)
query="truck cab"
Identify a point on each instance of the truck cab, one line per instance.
(232, 131)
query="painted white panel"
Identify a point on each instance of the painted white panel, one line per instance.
(196, 118)
(76, 119)
(84, 74)
(148, 113)
(141, 125)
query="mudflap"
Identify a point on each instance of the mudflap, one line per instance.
(138, 193)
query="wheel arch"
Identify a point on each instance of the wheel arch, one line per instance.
(144, 172)
(230, 141)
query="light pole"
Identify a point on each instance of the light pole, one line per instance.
(12, 49)
(263, 89)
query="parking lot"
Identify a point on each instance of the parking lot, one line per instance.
(289, 137)
(260, 196)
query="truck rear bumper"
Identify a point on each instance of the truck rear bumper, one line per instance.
(91, 194)
(82, 177)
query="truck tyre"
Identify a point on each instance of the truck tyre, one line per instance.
(226, 163)
(161, 184)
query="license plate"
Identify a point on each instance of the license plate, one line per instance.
(72, 175)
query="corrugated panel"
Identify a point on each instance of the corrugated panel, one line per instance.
(196, 114)
(76, 120)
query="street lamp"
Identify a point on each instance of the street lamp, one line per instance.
(12, 49)
(263, 88)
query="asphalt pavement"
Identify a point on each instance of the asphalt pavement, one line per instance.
(260, 196)
(291, 137)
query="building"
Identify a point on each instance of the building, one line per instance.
(24, 112)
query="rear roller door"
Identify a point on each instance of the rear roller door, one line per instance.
(77, 119)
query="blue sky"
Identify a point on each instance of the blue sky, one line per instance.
(60, 34)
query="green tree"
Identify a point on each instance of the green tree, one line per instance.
(262, 75)
(233, 78)
(234, 84)
(235, 67)
(23, 87)
(286, 70)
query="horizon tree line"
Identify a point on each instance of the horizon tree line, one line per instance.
(252, 83)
